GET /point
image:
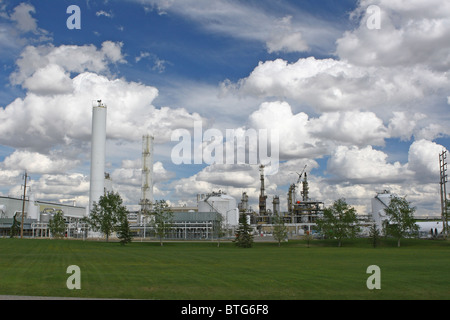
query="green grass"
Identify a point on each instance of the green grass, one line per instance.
(183, 271)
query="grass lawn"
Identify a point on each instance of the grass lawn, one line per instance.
(419, 269)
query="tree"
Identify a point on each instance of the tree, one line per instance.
(162, 219)
(339, 221)
(57, 225)
(15, 227)
(218, 230)
(123, 230)
(374, 235)
(279, 229)
(244, 237)
(401, 220)
(107, 214)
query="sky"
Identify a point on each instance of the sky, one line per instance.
(356, 91)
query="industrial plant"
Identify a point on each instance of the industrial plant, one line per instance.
(214, 209)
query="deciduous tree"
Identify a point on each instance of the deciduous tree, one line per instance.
(339, 221)
(401, 220)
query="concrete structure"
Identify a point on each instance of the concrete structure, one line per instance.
(98, 153)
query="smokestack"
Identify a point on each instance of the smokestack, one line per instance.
(98, 151)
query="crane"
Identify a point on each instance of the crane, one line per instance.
(300, 174)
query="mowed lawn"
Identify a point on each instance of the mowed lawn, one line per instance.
(202, 271)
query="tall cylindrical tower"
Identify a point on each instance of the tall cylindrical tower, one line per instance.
(147, 174)
(98, 151)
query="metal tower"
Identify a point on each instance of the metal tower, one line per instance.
(442, 182)
(147, 174)
(262, 196)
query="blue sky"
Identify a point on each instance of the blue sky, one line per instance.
(365, 109)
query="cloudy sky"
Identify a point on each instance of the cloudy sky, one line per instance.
(358, 91)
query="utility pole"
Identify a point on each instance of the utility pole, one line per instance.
(442, 182)
(23, 203)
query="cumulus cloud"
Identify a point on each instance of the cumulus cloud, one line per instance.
(411, 33)
(365, 165)
(70, 58)
(333, 85)
(423, 159)
(50, 127)
(34, 162)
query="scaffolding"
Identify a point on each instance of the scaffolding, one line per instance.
(442, 183)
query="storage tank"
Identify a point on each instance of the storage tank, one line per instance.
(33, 211)
(45, 217)
(223, 204)
(379, 203)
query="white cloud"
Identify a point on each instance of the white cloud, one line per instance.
(423, 159)
(22, 17)
(366, 166)
(282, 28)
(70, 58)
(37, 163)
(51, 79)
(411, 32)
(351, 127)
(332, 85)
(403, 124)
(104, 13)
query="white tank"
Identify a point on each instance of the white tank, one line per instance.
(223, 204)
(33, 211)
(379, 203)
(45, 217)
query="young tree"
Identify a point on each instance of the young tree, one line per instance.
(308, 237)
(107, 214)
(244, 237)
(218, 230)
(339, 221)
(374, 235)
(162, 219)
(401, 220)
(15, 227)
(57, 225)
(279, 229)
(123, 230)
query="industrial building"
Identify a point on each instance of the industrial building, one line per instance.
(214, 211)
(36, 216)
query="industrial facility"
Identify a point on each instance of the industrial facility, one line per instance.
(214, 211)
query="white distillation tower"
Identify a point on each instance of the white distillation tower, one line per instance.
(98, 151)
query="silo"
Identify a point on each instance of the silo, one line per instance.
(98, 151)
